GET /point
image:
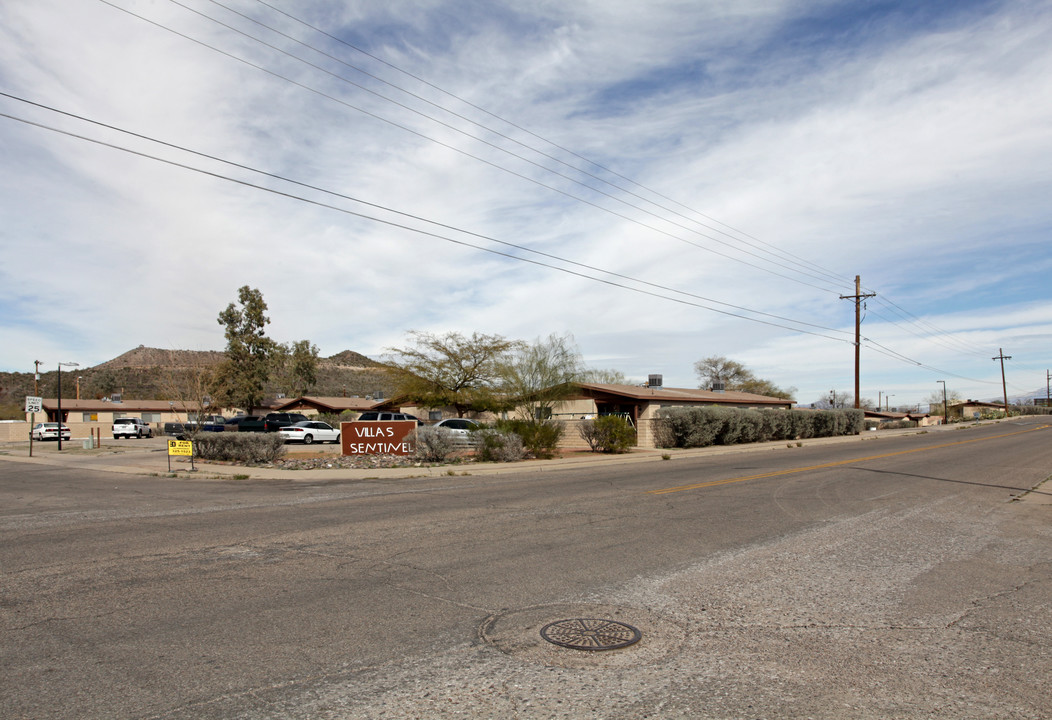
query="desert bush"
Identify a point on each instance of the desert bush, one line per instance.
(608, 434)
(539, 437)
(239, 447)
(430, 444)
(703, 426)
(1032, 410)
(898, 424)
(492, 445)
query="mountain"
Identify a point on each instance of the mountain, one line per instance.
(145, 373)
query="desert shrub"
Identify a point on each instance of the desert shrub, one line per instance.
(539, 437)
(608, 434)
(430, 444)
(703, 426)
(898, 424)
(239, 447)
(1032, 410)
(492, 445)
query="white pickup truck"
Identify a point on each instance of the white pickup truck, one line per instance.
(131, 427)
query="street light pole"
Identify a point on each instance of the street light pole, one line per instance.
(67, 364)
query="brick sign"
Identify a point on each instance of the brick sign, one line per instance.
(376, 438)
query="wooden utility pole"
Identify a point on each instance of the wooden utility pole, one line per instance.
(858, 297)
(1004, 386)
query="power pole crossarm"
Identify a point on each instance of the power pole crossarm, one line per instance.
(858, 297)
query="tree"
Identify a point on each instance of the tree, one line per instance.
(718, 369)
(935, 401)
(297, 367)
(736, 377)
(542, 374)
(604, 377)
(838, 400)
(451, 370)
(242, 377)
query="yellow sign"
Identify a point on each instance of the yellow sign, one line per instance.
(181, 447)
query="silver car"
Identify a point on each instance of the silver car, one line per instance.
(459, 429)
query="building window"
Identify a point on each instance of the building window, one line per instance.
(151, 417)
(90, 417)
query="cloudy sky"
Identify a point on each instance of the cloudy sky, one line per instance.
(664, 180)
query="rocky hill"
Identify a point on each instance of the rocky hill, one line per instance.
(150, 374)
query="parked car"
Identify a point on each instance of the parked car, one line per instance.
(271, 422)
(131, 427)
(175, 429)
(373, 415)
(49, 431)
(459, 429)
(206, 423)
(310, 431)
(234, 423)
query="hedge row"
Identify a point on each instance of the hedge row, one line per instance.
(703, 426)
(239, 447)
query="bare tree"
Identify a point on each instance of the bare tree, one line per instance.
(451, 370)
(542, 374)
(733, 375)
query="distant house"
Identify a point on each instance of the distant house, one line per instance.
(972, 409)
(881, 417)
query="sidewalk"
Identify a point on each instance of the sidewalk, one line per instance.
(150, 458)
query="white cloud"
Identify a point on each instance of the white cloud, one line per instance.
(913, 155)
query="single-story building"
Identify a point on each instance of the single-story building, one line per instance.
(972, 409)
(880, 417)
(313, 405)
(104, 412)
(641, 404)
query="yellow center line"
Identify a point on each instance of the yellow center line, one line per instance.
(776, 473)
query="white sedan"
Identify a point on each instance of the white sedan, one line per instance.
(49, 431)
(309, 431)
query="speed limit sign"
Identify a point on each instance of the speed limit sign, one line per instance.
(34, 404)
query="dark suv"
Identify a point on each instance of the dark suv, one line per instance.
(269, 422)
(273, 421)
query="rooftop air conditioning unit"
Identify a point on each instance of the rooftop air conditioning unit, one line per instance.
(654, 381)
(718, 387)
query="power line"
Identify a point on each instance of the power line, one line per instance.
(793, 259)
(783, 255)
(436, 235)
(471, 155)
(876, 347)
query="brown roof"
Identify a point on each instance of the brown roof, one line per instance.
(686, 395)
(331, 404)
(108, 406)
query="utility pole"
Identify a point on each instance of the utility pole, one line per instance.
(36, 377)
(858, 297)
(945, 407)
(1004, 386)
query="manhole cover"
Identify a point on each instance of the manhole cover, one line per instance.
(590, 634)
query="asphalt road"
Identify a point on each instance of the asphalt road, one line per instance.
(898, 578)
